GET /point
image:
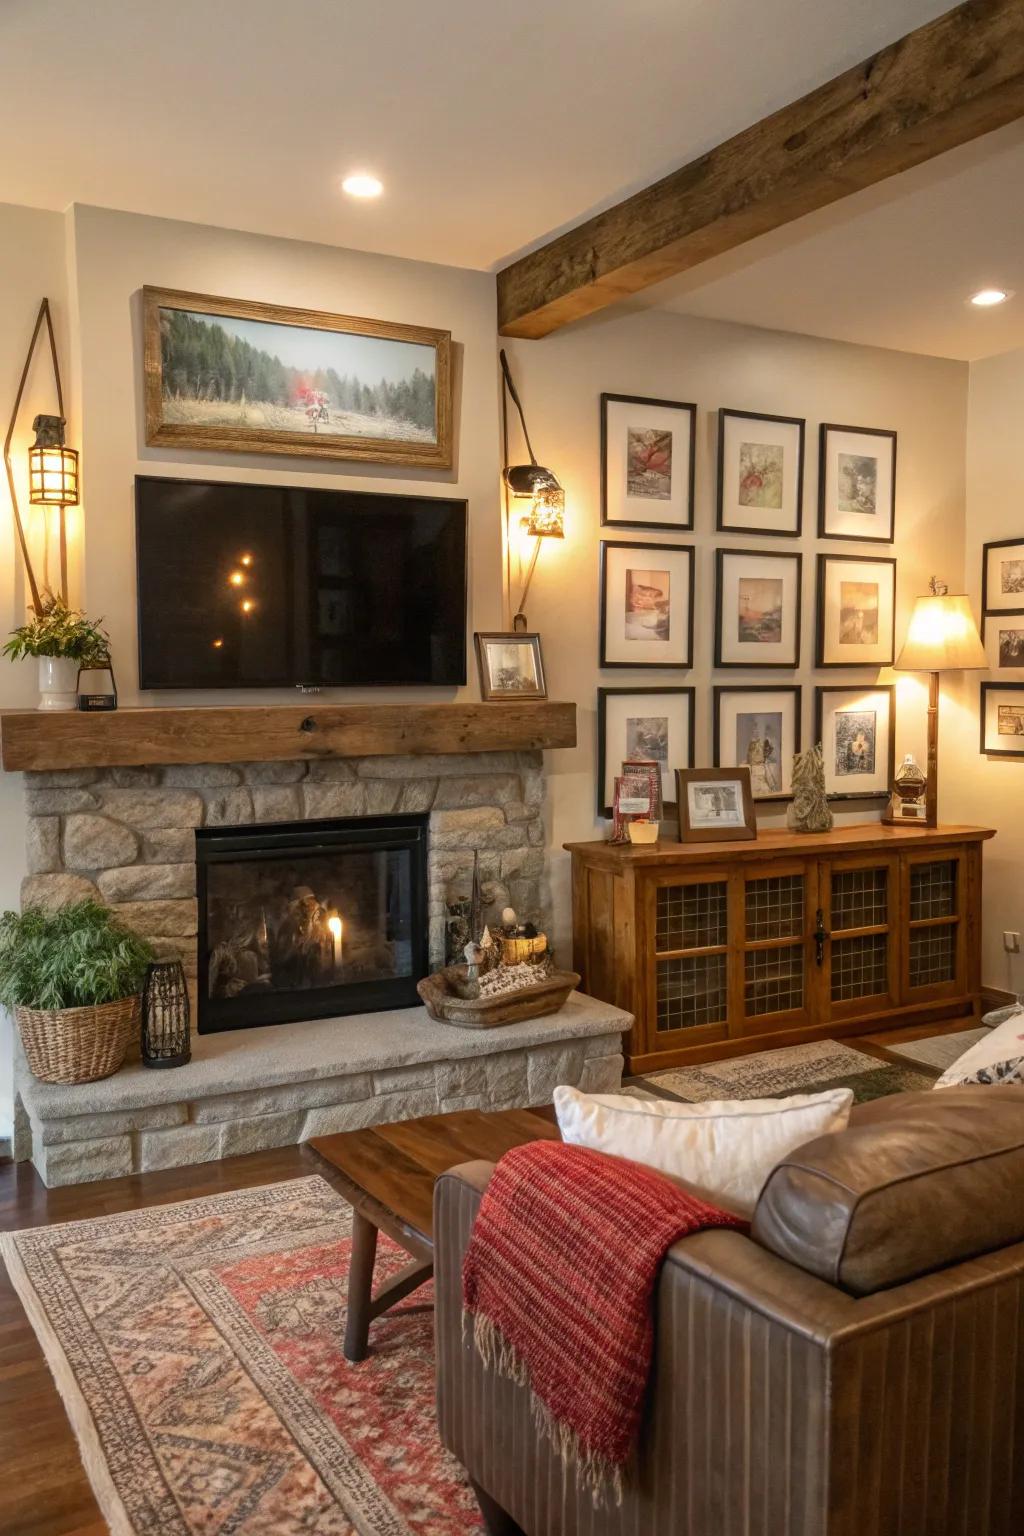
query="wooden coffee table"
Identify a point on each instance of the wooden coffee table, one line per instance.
(388, 1172)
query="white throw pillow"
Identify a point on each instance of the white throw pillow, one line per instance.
(997, 1058)
(724, 1150)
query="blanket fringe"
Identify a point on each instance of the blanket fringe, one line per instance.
(599, 1475)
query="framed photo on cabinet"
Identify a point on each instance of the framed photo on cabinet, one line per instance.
(758, 728)
(857, 483)
(646, 605)
(760, 473)
(715, 805)
(1002, 579)
(757, 608)
(857, 730)
(647, 459)
(856, 611)
(1002, 719)
(649, 724)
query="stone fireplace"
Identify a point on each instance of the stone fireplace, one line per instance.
(307, 920)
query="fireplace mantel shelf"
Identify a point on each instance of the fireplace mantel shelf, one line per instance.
(32, 740)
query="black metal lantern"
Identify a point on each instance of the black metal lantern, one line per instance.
(166, 1016)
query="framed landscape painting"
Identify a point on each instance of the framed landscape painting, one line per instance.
(646, 605)
(856, 618)
(857, 730)
(230, 375)
(857, 483)
(758, 728)
(647, 457)
(1002, 719)
(760, 473)
(649, 725)
(757, 608)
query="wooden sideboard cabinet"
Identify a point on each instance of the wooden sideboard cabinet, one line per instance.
(721, 948)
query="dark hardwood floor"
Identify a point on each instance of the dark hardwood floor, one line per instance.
(43, 1488)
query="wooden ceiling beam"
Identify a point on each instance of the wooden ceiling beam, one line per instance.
(942, 85)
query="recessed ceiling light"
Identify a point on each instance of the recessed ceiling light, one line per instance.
(987, 298)
(362, 185)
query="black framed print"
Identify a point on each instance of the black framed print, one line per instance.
(757, 608)
(857, 483)
(760, 473)
(1004, 641)
(856, 611)
(646, 605)
(757, 727)
(647, 459)
(646, 725)
(1002, 719)
(1002, 580)
(857, 730)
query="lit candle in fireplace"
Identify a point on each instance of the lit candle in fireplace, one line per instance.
(336, 926)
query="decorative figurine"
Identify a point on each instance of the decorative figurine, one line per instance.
(809, 811)
(907, 800)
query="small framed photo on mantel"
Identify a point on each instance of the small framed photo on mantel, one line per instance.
(757, 608)
(511, 667)
(857, 483)
(647, 462)
(642, 725)
(646, 605)
(856, 617)
(760, 473)
(715, 805)
(758, 728)
(857, 730)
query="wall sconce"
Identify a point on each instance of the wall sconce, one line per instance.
(52, 467)
(545, 518)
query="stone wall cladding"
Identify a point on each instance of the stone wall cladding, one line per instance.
(125, 835)
(83, 1147)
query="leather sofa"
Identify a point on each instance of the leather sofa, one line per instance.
(853, 1367)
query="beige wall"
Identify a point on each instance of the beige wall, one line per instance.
(983, 789)
(714, 364)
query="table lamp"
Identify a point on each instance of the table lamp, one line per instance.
(941, 637)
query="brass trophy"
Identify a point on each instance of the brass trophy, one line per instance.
(907, 800)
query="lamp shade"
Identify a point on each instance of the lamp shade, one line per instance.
(942, 637)
(546, 519)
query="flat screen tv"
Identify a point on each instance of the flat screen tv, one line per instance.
(266, 586)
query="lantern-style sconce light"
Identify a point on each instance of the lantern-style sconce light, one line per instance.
(532, 483)
(52, 467)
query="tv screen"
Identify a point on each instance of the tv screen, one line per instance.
(264, 586)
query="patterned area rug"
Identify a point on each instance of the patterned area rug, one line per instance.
(939, 1051)
(198, 1350)
(793, 1069)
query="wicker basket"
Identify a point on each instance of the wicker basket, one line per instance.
(78, 1045)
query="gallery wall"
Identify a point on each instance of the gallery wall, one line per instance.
(675, 357)
(981, 789)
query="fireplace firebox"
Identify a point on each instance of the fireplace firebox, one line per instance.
(304, 920)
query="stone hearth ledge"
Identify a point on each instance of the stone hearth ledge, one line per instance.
(248, 1090)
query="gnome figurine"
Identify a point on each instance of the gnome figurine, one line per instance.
(809, 811)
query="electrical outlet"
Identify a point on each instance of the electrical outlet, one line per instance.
(1011, 943)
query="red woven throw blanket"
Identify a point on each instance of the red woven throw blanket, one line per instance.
(558, 1280)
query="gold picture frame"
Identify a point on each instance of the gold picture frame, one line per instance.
(204, 404)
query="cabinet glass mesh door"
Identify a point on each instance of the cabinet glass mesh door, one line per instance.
(690, 981)
(860, 915)
(933, 896)
(774, 979)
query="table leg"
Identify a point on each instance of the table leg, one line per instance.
(360, 1287)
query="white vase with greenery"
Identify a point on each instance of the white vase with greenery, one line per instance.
(64, 641)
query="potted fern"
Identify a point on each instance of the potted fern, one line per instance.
(65, 643)
(73, 980)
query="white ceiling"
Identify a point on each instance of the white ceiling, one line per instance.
(493, 123)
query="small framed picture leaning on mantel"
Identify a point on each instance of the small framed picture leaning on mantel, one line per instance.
(511, 667)
(715, 805)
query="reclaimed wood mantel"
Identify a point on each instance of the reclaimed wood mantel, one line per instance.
(32, 740)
